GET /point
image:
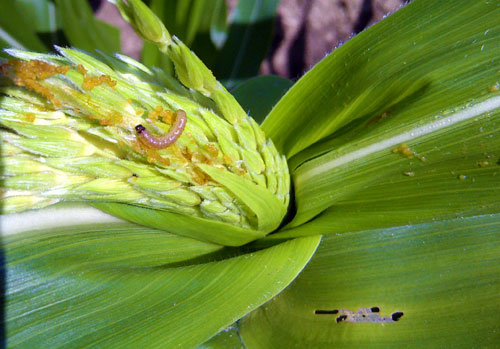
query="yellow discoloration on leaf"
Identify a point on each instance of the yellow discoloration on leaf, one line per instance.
(407, 152)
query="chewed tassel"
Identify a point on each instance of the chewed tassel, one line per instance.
(169, 138)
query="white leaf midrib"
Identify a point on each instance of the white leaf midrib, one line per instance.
(62, 215)
(462, 115)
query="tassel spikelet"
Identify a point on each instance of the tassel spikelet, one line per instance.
(68, 134)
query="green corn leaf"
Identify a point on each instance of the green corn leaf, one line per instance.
(228, 338)
(40, 13)
(86, 223)
(17, 30)
(442, 276)
(248, 40)
(258, 95)
(393, 146)
(46, 21)
(257, 198)
(413, 108)
(121, 284)
(429, 54)
(235, 52)
(152, 57)
(216, 232)
(218, 24)
(200, 24)
(197, 14)
(191, 18)
(84, 31)
(212, 32)
(446, 173)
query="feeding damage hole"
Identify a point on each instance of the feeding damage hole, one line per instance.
(362, 315)
(326, 312)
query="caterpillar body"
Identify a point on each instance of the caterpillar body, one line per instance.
(169, 138)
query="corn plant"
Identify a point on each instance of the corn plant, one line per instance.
(145, 208)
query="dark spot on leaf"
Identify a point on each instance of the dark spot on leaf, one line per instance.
(341, 318)
(397, 315)
(134, 175)
(326, 312)
(375, 309)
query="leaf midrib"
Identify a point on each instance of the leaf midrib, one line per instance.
(463, 115)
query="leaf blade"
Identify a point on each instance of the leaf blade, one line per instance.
(247, 42)
(442, 275)
(258, 95)
(441, 86)
(214, 231)
(455, 158)
(17, 32)
(419, 37)
(114, 284)
(76, 15)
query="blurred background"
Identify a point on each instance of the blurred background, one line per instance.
(236, 39)
(304, 31)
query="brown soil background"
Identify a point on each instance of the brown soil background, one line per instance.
(305, 30)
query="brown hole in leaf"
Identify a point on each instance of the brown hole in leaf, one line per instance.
(397, 315)
(366, 315)
(341, 318)
(326, 312)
